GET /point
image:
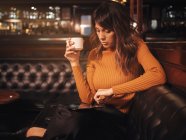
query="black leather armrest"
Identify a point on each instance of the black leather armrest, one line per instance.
(159, 114)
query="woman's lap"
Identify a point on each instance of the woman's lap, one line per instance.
(86, 125)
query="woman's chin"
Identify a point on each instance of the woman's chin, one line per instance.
(106, 47)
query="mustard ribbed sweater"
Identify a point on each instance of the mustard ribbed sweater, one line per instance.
(104, 74)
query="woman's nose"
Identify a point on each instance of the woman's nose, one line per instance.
(102, 36)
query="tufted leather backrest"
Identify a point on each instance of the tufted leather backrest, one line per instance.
(37, 76)
(158, 114)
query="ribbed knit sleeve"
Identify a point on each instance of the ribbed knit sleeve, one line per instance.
(84, 84)
(153, 75)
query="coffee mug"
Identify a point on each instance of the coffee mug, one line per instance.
(78, 43)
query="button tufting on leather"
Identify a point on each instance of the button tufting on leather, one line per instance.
(52, 77)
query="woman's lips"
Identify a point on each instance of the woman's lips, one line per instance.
(104, 43)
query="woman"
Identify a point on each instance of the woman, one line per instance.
(119, 65)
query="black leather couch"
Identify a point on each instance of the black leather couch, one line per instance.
(158, 113)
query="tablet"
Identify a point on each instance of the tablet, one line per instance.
(84, 106)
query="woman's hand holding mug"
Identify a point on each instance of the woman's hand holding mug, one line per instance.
(73, 48)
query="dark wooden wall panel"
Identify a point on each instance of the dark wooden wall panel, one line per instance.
(172, 55)
(32, 51)
(175, 75)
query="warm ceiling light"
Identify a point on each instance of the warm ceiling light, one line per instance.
(120, 1)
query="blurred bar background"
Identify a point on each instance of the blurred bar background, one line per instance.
(32, 46)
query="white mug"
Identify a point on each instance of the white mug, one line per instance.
(78, 43)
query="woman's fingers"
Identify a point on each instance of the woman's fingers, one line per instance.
(69, 43)
(103, 95)
(70, 48)
(99, 99)
(96, 98)
(70, 52)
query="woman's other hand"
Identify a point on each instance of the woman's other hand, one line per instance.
(103, 95)
(71, 54)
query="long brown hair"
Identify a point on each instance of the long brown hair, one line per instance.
(115, 17)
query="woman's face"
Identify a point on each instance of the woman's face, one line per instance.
(106, 37)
